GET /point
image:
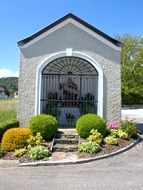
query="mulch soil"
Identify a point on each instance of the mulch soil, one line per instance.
(105, 149)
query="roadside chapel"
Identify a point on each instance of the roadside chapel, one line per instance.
(67, 69)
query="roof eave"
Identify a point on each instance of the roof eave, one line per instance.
(70, 15)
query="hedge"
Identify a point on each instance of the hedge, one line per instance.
(4, 126)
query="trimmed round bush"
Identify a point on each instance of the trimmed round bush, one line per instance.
(15, 138)
(46, 125)
(87, 122)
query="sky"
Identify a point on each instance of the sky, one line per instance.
(20, 19)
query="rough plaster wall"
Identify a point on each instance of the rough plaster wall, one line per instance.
(69, 37)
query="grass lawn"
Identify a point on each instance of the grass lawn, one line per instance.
(8, 109)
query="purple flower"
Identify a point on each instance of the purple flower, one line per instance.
(112, 125)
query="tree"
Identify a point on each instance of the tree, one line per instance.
(132, 69)
(9, 83)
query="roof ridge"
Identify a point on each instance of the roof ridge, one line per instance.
(70, 15)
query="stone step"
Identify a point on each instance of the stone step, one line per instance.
(66, 136)
(65, 148)
(65, 141)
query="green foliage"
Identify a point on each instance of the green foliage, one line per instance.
(11, 83)
(129, 127)
(35, 140)
(88, 122)
(46, 125)
(117, 133)
(122, 134)
(90, 147)
(113, 133)
(132, 69)
(15, 138)
(111, 140)
(8, 109)
(38, 152)
(20, 152)
(1, 152)
(4, 126)
(95, 136)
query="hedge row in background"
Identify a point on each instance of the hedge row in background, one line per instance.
(4, 126)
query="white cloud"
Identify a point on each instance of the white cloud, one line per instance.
(8, 73)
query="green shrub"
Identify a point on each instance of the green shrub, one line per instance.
(111, 140)
(20, 152)
(95, 136)
(4, 126)
(113, 133)
(35, 140)
(15, 138)
(122, 134)
(90, 147)
(38, 152)
(88, 122)
(129, 127)
(46, 125)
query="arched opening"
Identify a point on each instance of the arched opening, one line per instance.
(69, 88)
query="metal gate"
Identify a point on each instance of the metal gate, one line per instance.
(69, 89)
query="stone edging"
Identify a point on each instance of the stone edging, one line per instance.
(80, 161)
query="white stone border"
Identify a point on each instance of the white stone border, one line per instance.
(65, 53)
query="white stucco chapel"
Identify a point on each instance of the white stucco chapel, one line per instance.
(67, 69)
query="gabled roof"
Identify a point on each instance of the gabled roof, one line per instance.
(66, 17)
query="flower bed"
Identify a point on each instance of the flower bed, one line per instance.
(96, 139)
(108, 149)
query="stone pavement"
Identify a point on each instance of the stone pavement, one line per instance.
(8, 163)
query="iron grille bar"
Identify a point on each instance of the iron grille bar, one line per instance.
(69, 74)
(68, 89)
(80, 101)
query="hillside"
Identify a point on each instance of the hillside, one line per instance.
(11, 83)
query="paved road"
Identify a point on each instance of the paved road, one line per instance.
(124, 172)
(135, 114)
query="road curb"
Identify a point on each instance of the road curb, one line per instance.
(80, 161)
